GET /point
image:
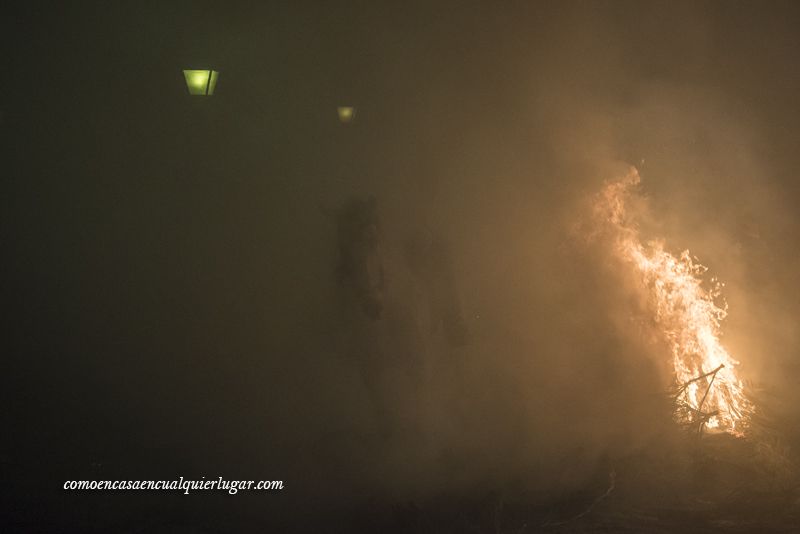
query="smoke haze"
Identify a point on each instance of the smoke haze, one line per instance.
(170, 269)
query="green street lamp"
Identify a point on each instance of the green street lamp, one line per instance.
(201, 82)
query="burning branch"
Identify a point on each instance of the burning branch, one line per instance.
(704, 417)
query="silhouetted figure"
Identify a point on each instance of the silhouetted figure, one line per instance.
(360, 267)
(391, 321)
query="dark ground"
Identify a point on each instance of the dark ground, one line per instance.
(718, 485)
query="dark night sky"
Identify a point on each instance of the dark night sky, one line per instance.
(166, 264)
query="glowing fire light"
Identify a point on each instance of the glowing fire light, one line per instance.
(709, 391)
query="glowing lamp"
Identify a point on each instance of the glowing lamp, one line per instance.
(346, 113)
(201, 82)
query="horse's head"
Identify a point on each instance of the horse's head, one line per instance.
(360, 266)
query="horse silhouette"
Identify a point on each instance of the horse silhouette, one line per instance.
(399, 304)
(360, 265)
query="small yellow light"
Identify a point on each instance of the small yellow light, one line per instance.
(346, 113)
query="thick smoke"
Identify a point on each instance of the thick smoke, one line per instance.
(179, 259)
(558, 377)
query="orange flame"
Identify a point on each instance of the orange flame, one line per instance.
(709, 391)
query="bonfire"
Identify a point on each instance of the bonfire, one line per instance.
(708, 392)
